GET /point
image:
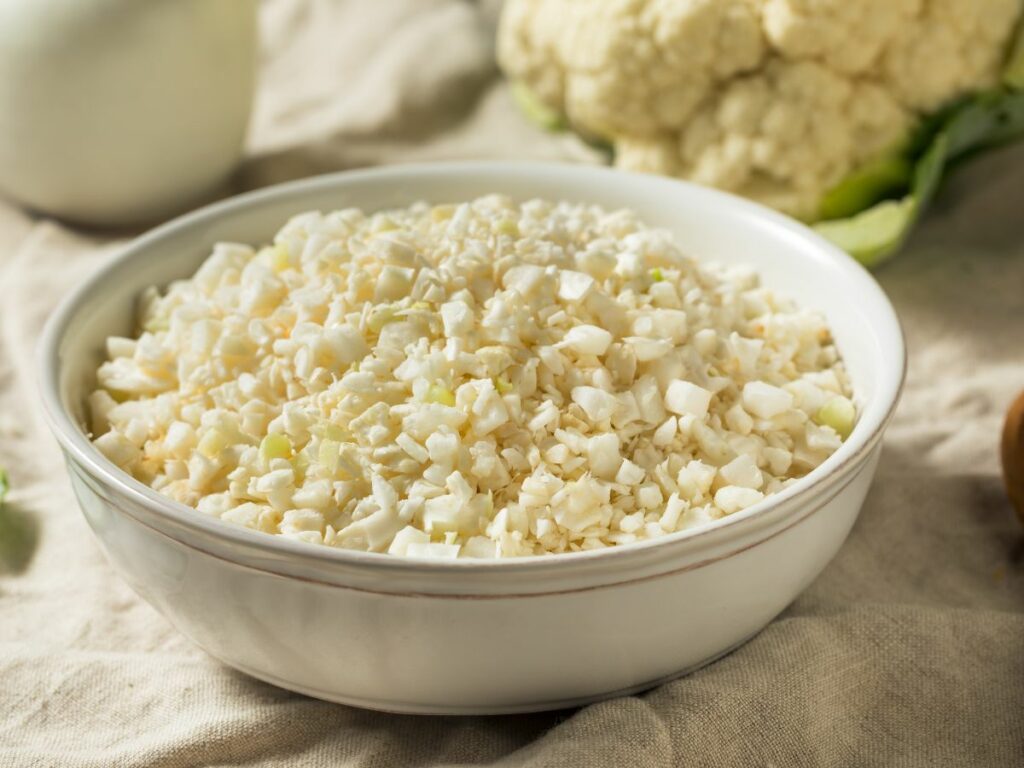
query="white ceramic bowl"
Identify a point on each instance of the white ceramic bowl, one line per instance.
(476, 636)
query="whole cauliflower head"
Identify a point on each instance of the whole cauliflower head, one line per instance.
(776, 100)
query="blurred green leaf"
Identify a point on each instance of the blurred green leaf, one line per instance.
(867, 185)
(18, 533)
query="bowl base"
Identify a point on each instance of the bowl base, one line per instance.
(412, 708)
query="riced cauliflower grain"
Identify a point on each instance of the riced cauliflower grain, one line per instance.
(488, 379)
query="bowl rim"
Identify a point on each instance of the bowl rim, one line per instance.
(855, 449)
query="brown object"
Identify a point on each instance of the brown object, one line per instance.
(1013, 454)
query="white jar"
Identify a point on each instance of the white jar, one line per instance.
(121, 111)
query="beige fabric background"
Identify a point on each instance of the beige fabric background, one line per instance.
(909, 650)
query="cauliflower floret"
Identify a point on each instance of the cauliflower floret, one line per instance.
(632, 66)
(777, 100)
(952, 47)
(846, 37)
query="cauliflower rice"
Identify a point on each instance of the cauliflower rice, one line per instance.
(488, 379)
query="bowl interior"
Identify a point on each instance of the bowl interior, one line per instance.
(707, 224)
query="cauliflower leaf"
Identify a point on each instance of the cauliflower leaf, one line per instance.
(874, 234)
(881, 178)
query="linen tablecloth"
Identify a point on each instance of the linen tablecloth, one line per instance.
(908, 650)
